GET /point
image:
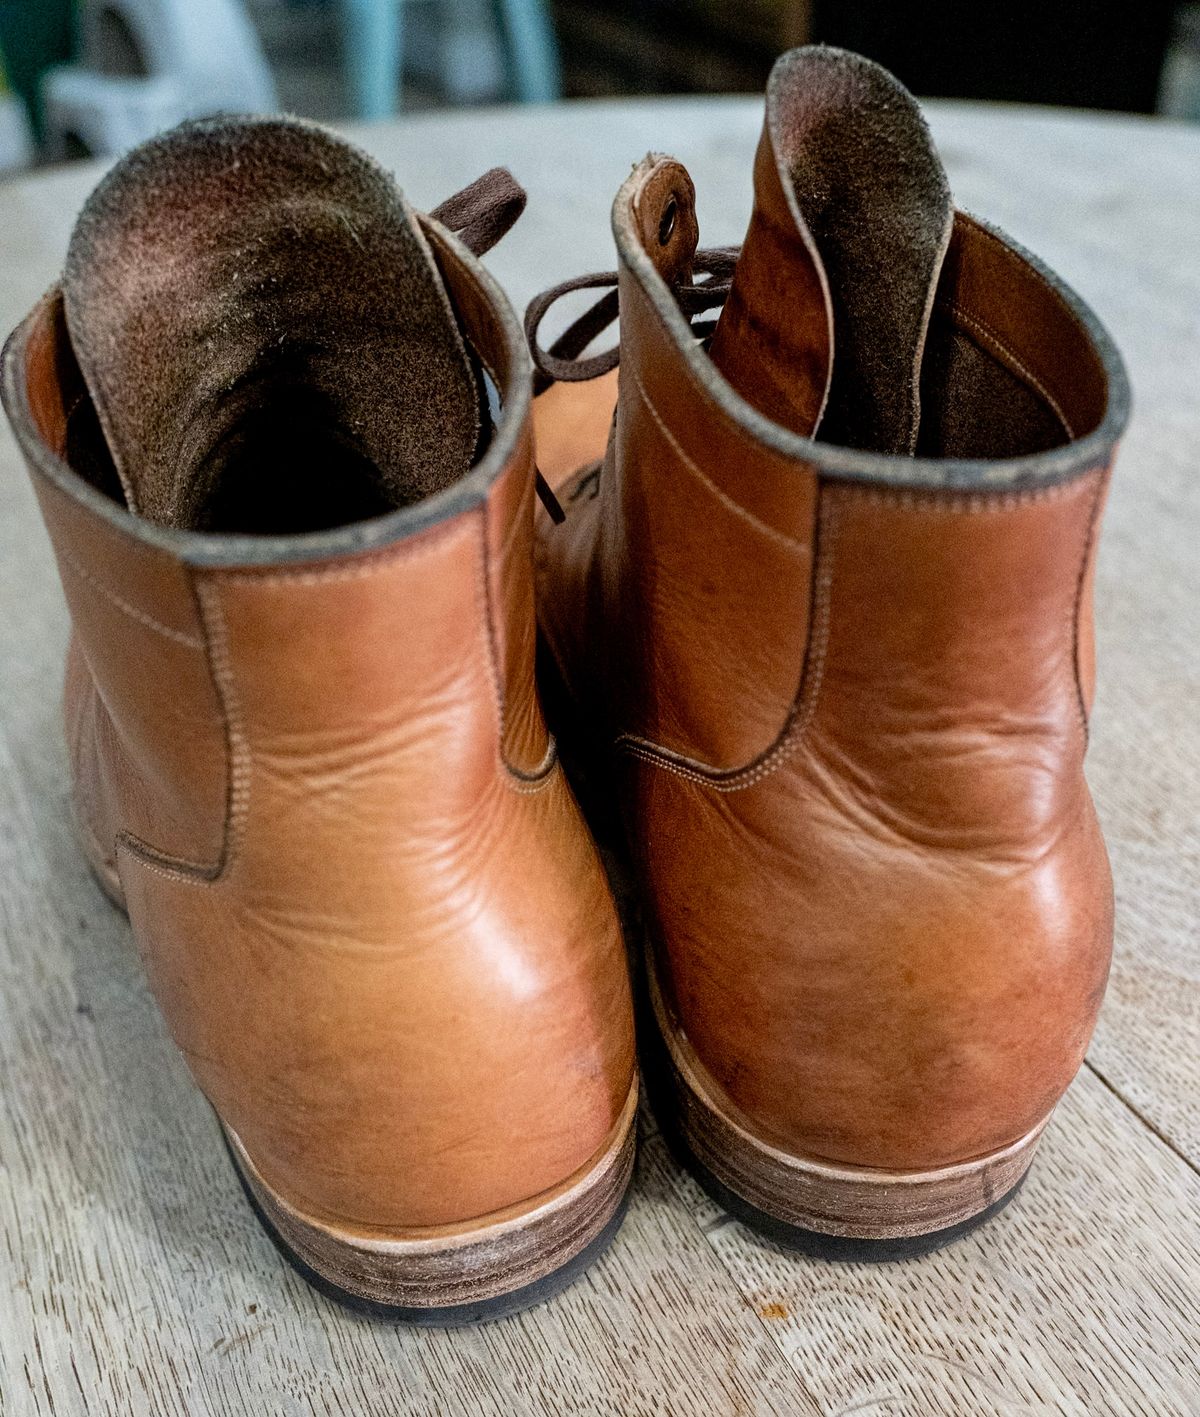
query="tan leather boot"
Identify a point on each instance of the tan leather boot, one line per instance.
(825, 609)
(309, 757)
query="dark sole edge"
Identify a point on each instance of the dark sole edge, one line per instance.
(838, 1248)
(449, 1316)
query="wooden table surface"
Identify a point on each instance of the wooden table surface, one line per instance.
(133, 1278)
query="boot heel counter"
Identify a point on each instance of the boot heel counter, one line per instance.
(949, 735)
(929, 966)
(365, 993)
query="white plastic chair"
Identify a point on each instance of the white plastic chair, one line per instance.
(145, 65)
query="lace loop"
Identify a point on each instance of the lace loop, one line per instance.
(562, 362)
(483, 211)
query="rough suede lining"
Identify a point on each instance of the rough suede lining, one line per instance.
(972, 407)
(264, 333)
(870, 196)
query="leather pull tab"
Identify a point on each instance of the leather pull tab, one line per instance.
(664, 210)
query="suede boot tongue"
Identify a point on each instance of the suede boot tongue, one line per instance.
(825, 325)
(260, 323)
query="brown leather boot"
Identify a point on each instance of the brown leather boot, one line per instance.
(308, 753)
(825, 608)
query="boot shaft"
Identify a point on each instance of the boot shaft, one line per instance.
(939, 595)
(315, 770)
(322, 640)
(827, 602)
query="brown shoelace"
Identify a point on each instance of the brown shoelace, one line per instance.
(486, 210)
(562, 362)
(565, 362)
(483, 211)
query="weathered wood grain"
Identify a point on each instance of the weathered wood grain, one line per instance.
(137, 1281)
(1082, 1297)
(133, 1279)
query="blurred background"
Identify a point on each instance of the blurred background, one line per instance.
(93, 77)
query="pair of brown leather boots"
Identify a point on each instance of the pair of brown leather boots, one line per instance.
(815, 629)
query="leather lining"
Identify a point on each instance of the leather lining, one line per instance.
(848, 164)
(1084, 368)
(264, 333)
(36, 356)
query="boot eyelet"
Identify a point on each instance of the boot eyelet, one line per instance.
(666, 225)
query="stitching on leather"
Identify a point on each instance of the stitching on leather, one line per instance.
(171, 867)
(781, 460)
(125, 539)
(364, 564)
(123, 605)
(237, 744)
(177, 867)
(543, 775)
(988, 336)
(1089, 542)
(526, 783)
(1015, 262)
(237, 797)
(804, 706)
(789, 542)
(483, 598)
(946, 502)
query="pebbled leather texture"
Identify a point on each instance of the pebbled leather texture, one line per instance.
(844, 700)
(317, 771)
